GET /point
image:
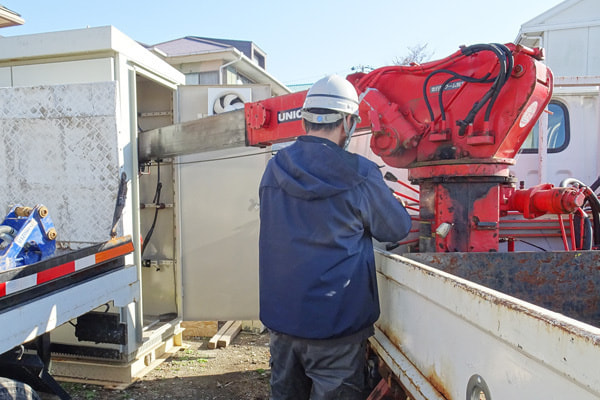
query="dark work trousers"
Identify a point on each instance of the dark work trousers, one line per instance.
(304, 369)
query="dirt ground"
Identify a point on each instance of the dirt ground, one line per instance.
(239, 371)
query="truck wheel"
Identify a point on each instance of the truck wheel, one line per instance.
(15, 390)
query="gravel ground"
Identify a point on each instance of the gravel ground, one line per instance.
(239, 371)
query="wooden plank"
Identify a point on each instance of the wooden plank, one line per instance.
(200, 328)
(233, 330)
(212, 343)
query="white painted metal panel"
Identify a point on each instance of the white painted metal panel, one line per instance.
(50, 311)
(52, 43)
(593, 67)
(568, 14)
(86, 43)
(572, 12)
(219, 234)
(219, 220)
(60, 149)
(579, 159)
(450, 329)
(5, 77)
(567, 51)
(66, 72)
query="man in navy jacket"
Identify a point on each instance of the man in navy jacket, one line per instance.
(320, 207)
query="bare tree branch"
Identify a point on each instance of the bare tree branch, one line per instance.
(417, 54)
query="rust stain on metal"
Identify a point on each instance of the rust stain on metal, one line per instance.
(432, 378)
(438, 383)
(553, 274)
(391, 336)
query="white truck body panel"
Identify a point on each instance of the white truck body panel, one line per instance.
(88, 44)
(54, 73)
(31, 319)
(579, 159)
(438, 330)
(69, 122)
(570, 36)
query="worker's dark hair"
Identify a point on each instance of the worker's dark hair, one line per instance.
(311, 126)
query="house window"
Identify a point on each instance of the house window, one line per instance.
(558, 131)
(244, 80)
(259, 59)
(202, 78)
(208, 78)
(191, 79)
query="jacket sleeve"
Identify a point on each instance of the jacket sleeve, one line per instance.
(383, 215)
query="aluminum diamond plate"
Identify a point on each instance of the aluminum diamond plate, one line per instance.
(60, 149)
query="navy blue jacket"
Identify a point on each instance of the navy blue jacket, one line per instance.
(320, 206)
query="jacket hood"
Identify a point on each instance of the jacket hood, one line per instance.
(314, 168)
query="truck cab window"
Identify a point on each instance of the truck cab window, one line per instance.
(558, 131)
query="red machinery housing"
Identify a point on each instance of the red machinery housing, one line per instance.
(456, 124)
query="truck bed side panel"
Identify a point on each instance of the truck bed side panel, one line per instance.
(450, 329)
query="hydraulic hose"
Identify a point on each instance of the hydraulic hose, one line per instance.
(501, 53)
(596, 184)
(454, 76)
(593, 201)
(156, 201)
(506, 63)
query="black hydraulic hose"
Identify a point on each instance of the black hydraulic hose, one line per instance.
(440, 100)
(493, 89)
(500, 80)
(532, 245)
(156, 201)
(595, 206)
(583, 242)
(509, 57)
(121, 198)
(593, 201)
(595, 218)
(506, 65)
(455, 76)
(594, 186)
(506, 62)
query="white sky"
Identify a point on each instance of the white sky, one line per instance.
(304, 40)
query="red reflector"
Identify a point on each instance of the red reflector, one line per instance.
(55, 272)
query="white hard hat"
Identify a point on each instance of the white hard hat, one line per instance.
(332, 93)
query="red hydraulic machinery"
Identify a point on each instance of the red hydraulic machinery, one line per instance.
(456, 124)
